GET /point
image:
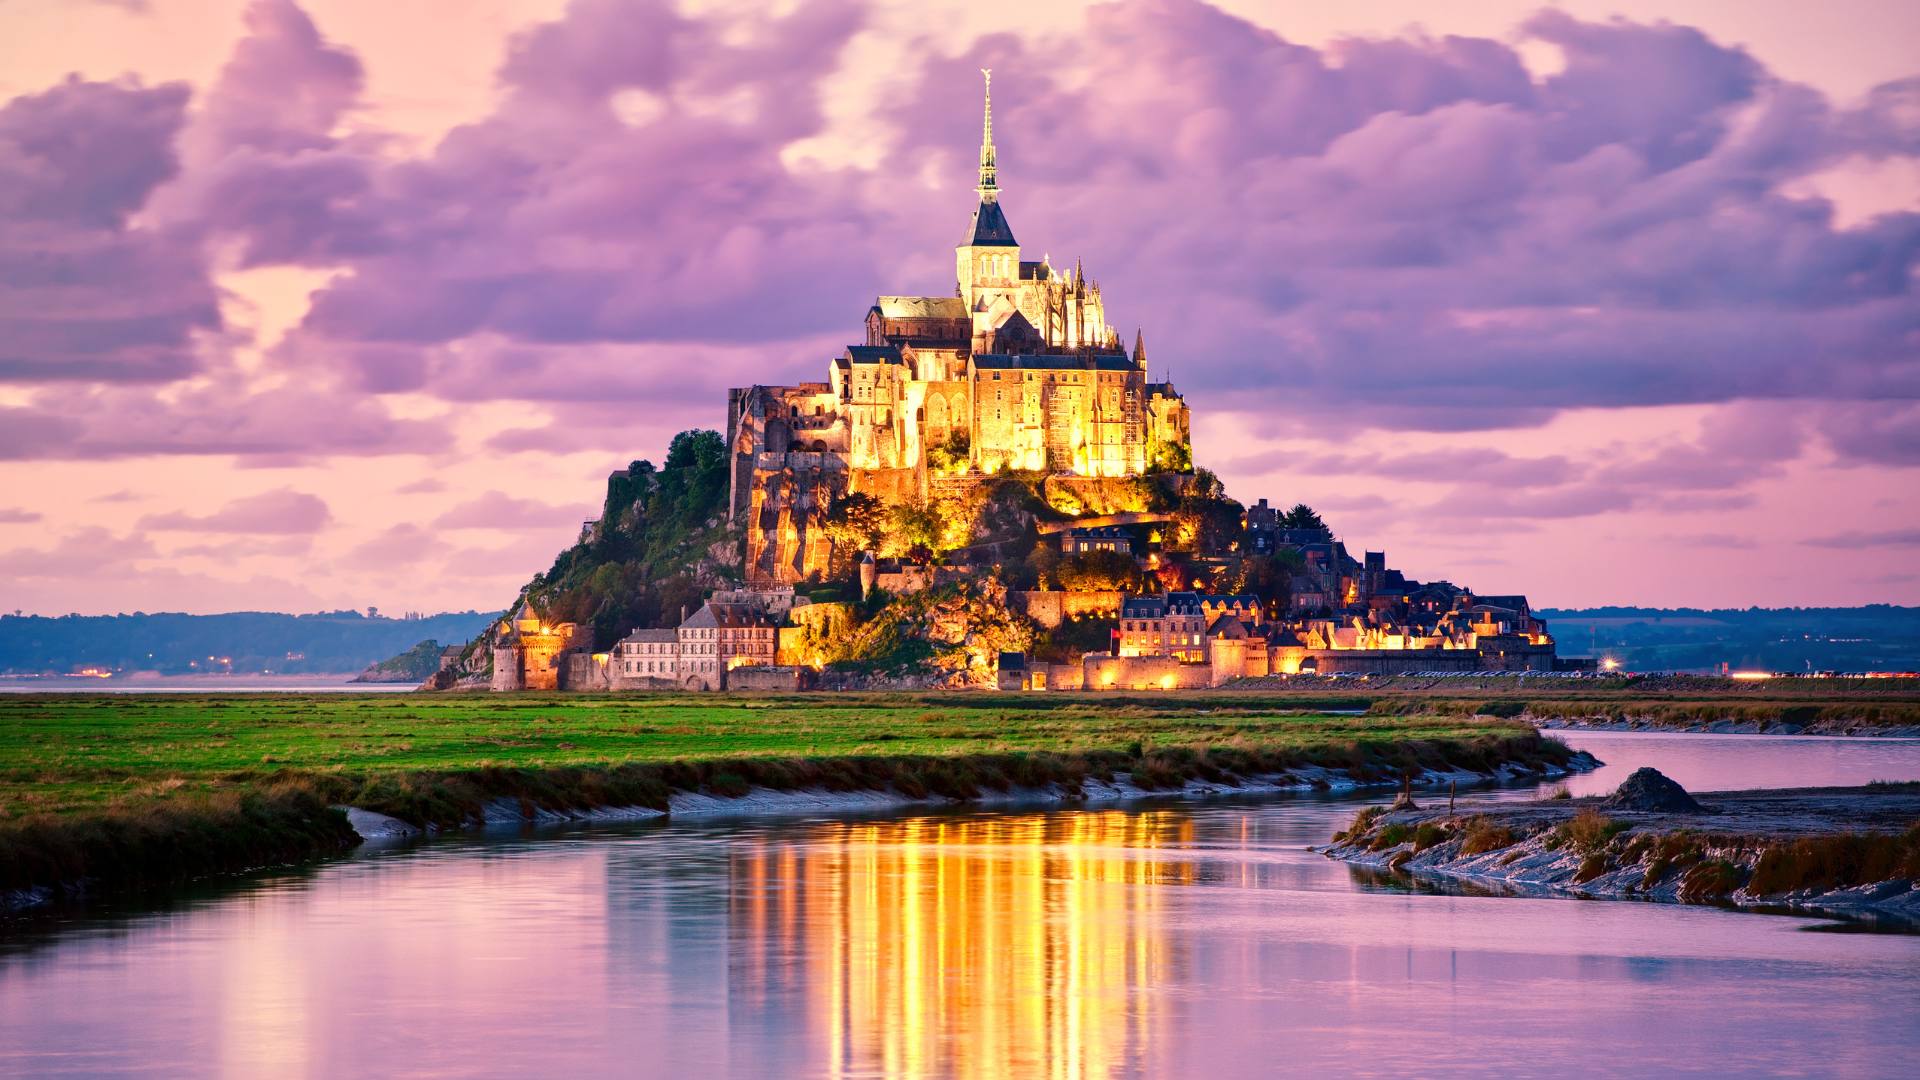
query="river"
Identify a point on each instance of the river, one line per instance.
(1162, 940)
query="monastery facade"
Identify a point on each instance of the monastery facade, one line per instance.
(1018, 370)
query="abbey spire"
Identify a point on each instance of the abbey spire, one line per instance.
(989, 190)
(990, 228)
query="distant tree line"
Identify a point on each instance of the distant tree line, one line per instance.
(241, 641)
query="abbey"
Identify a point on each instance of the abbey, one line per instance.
(1020, 369)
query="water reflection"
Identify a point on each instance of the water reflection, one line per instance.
(977, 947)
(1172, 940)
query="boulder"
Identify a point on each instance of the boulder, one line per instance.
(1647, 789)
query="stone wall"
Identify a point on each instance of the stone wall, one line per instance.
(1050, 609)
(1065, 676)
(1371, 661)
(1103, 672)
(784, 538)
(586, 671)
(644, 682)
(766, 677)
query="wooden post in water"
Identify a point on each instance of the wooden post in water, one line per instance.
(1405, 801)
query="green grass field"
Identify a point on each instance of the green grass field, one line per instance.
(60, 753)
(115, 790)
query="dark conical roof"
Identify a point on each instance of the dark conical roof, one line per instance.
(990, 228)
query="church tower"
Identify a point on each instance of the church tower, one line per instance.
(987, 265)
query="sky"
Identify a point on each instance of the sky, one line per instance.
(348, 303)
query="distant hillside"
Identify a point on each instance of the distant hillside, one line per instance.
(242, 641)
(1878, 637)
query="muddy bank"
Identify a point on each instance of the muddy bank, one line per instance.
(758, 801)
(301, 817)
(1839, 726)
(1847, 851)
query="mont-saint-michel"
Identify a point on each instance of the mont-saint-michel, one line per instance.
(663, 538)
(989, 489)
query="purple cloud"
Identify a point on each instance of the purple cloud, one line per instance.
(285, 424)
(283, 511)
(87, 294)
(12, 516)
(84, 551)
(1411, 231)
(1406, 233)
(1857, 539)
(498, 510)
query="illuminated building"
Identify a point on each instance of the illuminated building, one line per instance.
(1019, 369)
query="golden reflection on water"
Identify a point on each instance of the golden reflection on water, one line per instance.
(970, 947)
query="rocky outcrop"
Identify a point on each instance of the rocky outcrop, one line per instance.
(1853, 851)
(1648, 789)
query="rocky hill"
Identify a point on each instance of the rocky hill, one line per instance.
(661, 544)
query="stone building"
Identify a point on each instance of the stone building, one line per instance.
(730, 631)
(1098, 538)
(1176, 624)
(1020, 369)
(1228, 637)
(529, 654)
(647, 659)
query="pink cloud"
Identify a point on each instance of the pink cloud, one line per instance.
(1391, 235)
(283, 511)
(498, 510)
(84, 551)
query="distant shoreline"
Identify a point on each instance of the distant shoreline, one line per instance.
(336, 682)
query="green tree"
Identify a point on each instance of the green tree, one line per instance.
(915, 527)
(1269, 577)
(855, 522)
(1098, 571)
(1301, 517)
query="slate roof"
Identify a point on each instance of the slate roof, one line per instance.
(873, 354)
(1183, 603)
(727, 615)
(1050, 362)
(990, 228)
(922, 307)
(1510, 602)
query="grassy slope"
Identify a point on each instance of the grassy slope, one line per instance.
(165, 786)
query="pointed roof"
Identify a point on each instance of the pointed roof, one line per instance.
(990, 228)
(1140, 350)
